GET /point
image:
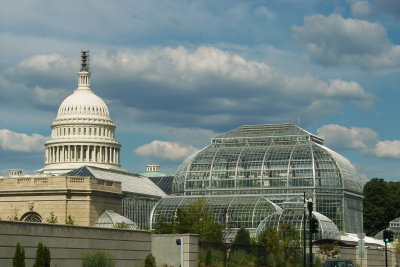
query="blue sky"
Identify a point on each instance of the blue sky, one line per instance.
(175, 73)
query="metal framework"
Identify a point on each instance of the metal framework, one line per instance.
(278, 161)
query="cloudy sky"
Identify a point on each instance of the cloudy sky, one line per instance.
(175, 73)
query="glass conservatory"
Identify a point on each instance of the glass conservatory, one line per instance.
(280, 162)
(293, 213)
(111, 219)
(233, 211)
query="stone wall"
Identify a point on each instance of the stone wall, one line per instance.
(68, 244)
(83, 198)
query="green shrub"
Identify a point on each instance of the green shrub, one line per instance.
(97, 259)
(70, 220)
(19, 256)
(150, 261)
(42, 256)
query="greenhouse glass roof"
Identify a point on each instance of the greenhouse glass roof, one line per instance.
(239, 211)
(256, 159)
(293, 213)
(111, 219)
(129, 182)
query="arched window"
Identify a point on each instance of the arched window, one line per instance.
(31, 217)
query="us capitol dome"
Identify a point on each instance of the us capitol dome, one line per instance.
(83, 132)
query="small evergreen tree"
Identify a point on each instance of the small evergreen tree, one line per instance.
(150, 261)
(46, 256)
(242, 237)
(42, 256)
(39, 261)
(19, 256)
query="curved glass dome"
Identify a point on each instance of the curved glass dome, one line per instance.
(293, 213)
(239, 211)
(111, 219)
(264, 157)
(281, 161)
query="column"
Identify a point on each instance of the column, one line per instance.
(106, 154)
(87, 152)
(75, 153)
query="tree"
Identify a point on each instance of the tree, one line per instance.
(150, 261)
(19, 256)
(281, 245)
(330, 251)
(46, 256)
(42, 256)
(97, 259)
(381, 202)
(290, 242)
(196, 218)
(164, 227)
(242, 237)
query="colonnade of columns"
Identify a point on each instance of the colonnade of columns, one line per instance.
(82, 153)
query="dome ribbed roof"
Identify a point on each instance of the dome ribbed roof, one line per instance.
(83, 103)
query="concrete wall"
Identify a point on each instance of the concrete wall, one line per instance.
(68, 244)
(373, 256)
(168, 253)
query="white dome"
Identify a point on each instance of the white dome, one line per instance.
(83, 132)
(83, 103)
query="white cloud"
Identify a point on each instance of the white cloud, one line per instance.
(334, 40)
(340, 137)
(165, 150)
(364, 139)
(387, 149)
(202, 88)
(361, 9)
(21, 142)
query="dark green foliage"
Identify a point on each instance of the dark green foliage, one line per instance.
(381, 204)
(281, 245)
(46, 255)
(70, 220)
(19, 256)
(163, 227)
(242, 237)
(150, 261)
(52, 218)
(196, 218)
(97, 259)
(208, 258)
(42, 256)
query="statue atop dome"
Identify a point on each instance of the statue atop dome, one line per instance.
(85, 60)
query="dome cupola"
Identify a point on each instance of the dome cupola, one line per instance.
(83, 132)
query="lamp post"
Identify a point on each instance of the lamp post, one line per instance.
(310, 209)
